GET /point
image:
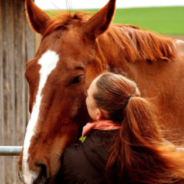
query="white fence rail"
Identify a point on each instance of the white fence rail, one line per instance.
(10, 150)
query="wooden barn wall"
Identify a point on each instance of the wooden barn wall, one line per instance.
(17, 45)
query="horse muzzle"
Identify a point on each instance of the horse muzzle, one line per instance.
(40, 174)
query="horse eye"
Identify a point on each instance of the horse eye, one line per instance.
(77, 79)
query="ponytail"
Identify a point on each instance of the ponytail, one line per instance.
(138, 153)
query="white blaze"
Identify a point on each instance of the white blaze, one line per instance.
(48, 62)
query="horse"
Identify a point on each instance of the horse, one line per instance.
(74, 49)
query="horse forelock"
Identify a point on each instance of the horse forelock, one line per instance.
(48, 62)
(64, 19)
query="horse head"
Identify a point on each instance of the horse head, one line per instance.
(65, 64)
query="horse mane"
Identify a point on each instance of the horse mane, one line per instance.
(134, 43)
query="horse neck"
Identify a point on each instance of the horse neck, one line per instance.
(124, 46)
(114, 50)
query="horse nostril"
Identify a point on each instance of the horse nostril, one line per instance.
(43, 174)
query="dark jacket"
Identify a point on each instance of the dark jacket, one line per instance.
(85, 163)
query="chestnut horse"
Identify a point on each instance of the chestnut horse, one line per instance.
(74, 50)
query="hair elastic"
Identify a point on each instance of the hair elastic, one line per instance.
(127, 101)
(129, 97)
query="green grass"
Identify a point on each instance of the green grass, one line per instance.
(163, 20)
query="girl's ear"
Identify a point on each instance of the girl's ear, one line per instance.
(99, 114)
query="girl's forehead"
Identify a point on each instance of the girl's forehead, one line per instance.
(94, 81)
(92, 87)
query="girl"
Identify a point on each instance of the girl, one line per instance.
(124, 144)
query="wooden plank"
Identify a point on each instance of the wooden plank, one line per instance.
(30, 46)
(19, 63)
(2, 173)
(30, 42)
(9, 88)
(19, 56)
(6, 85)
(25, 101)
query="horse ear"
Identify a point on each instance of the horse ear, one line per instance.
(37, 18)
(100, 21)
